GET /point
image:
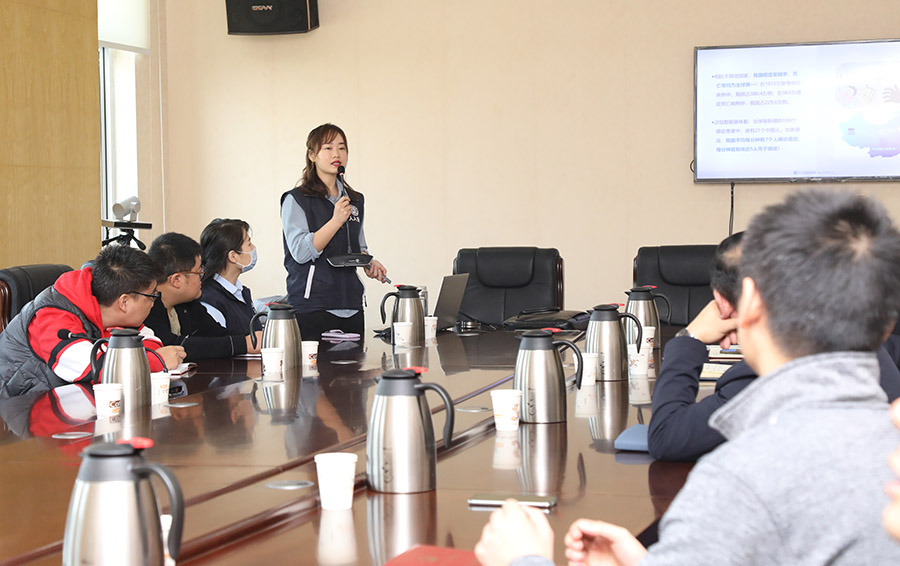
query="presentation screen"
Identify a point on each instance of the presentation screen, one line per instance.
(799, 112)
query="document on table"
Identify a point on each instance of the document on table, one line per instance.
(713, 371)
(182, 368)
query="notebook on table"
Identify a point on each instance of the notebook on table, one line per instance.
(453, 287)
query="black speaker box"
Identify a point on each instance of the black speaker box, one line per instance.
(269, 17)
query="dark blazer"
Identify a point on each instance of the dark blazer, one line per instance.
(679, 428)
(201, 335)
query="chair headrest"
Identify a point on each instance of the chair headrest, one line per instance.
(685, 265)
(505, 267)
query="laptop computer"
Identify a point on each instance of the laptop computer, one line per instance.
(453, 287)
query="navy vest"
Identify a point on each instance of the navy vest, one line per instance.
(330, 288)
(237, 313)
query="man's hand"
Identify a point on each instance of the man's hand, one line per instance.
(250, 348)
(709, 326)
(595, 543)
(171, 355)
(514, 530)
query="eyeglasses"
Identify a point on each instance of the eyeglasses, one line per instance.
(153, 296)
(200, 273)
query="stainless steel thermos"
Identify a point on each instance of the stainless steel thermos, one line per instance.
(539, 376)
(400, 449)
(642, 304)
(281, 331)
(407, 308)
(113, 518)
(125, 362)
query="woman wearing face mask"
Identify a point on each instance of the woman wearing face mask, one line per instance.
(226, 253)
(322, 217)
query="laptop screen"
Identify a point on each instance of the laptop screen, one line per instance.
(450, 298)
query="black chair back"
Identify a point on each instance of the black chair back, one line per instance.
(681, 273)
(504, 281)
(20, 285)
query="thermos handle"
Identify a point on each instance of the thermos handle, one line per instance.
(97, 363)
(383, 316)
(640, 328)
(252, 326)
(668, 306)
(559, 344)
(158, 357)
(254, 401)
(176, 501)
(448, 404)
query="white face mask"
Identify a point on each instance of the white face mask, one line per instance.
(248, 267)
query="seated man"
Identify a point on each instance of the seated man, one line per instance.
(800, 480)
(179, 317)
(49, 342)
(678, 428)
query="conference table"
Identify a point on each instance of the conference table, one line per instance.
(242, 449)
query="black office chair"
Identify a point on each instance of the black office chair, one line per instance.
(19, 285)
(681, 273)
(506, 281)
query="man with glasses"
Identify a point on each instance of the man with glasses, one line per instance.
(48, 344)
(179, 318)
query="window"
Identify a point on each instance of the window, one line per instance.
(118, 126)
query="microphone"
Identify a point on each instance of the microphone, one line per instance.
(340, 173)
(64, 334)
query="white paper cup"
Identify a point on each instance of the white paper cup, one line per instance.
(336, 472)
(506, 404)
(507, 450)
(586, 402)
(107, 425)
(108, 399)
(159, 388)
(272, 360)
(591, 369)
(638, 362)
(648, 339)
(402, 333)
(337, 538)
(639, 391)
(159, 411)
(430, 327)
(309, 371)
(309, 353)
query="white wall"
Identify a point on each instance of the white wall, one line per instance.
(474, 123)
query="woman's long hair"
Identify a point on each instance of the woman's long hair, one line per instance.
(220, 236)
(309, 182)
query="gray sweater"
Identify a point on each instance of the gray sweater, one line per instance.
(800, 480)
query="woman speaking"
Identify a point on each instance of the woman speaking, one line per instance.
(322, 219)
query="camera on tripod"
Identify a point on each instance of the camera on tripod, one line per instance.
(126, 226)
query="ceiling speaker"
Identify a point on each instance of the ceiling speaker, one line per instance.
(270, 17)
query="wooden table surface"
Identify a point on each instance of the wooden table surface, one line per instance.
(238, 434)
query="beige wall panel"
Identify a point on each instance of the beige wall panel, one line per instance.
(512, 122)
(50, 139)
